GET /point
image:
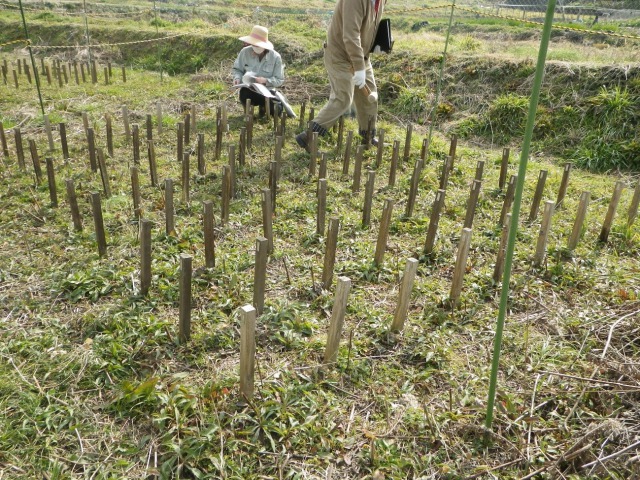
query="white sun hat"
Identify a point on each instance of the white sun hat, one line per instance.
(259, 37)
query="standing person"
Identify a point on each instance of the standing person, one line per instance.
(346, 57)
(258, 63)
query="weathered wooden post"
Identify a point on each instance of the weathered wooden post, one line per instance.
(330, 252)
(545, 228)
(337, 320)
(404, 296)
(35, 159)
(581, 215)
(153, 169)
(508, 199)
(91, 146)
(180, 142)
(461, 266)
(322, 171)
(274, 174)
(200, 154)
(407, 144)
(136, 143)
(96, 205)
(260, 274)
(125, 122)
(340, 135)
(104, 175)
(611, 212)
(383, 233)
(357, 169)
(73, 205)
(313, 158)
(145, 256)
(368, 198)
(413, 189)
(170, 226)
(226, 194)
(149, 125)
(232, 170)
(301, 122)
(633, 207)
(537, 196)
(347, 154)
(47, 129)
(498, 269)
(394, 163)
(444, 176)
(17, 134)
(380, 150)
(3, 142)
(563, 185)
(209, 239)
(473, 202)
(187, 129)
(247, 350)
(186, 194)
(51, 177)
(242, 148)
(479, 170)
(134, 172)
(186, 270)
(109, 134)
(452, 150)
(504, 167)
(63, 141)
(322, 205)
(267, 218)
(436, 208)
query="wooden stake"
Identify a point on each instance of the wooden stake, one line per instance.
(180, 142)
(134, 172)
(508, 199)
(73, 205)
(407, 144)
(96, 205)
(302, 123)
(404, 297)
(186, 270)
(63, 141)
(472, 203)
(260, 274)
(149, 125)
(19, 148)
(611, 212)
(84, 75)
(580, 217)
(498, 269)
(15, 79)
(51, 177)
(85, 122)
(3, 142)
(200, 152)
(47, 72)
(347, 154)
(91, 146)
(311, 113)
(504, 167)
(247, 350)
(249, 140)
(357, 169)
(563, 185)
(436, 208)
(104, 176)
(380, 150)
(209, 238)
(314, 153)
(444, 176)
(153, 170)
(136, 144)
(274, 174)
(461, 266)
(125, 121)
(106, 76)
(452, 150)
(337, 320)
(383, 234)
(186, 195)
(537, 197)
(322, 171)
(75, 74)
(145, 255)
(479, 170)
(340, 135)
(242, 147)
(232, 171)
(35, 159)
(330, 252)
(192, 114)
(187, 129)
(545, 228)
(170, 227)
(368, 198)
(413, 189)
(109, 130)
(226, 194)
(267, 218)
(124, 74)
(277, 156)
(47, 129)
(633, 207)
(322, 205)
(94, 72)
(394, 163)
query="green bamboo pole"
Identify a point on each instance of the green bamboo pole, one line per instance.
(513, 230)
(33, 62)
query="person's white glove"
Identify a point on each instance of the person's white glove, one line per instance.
(377, 49)
(359, 78)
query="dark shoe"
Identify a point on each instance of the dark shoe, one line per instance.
(301, 139)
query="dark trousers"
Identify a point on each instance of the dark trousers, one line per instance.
(256, 99)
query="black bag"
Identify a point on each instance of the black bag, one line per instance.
(383, 39)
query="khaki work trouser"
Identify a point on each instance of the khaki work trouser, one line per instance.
(343, 92)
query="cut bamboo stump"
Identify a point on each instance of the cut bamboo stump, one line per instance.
(633, 207)
(104, 174)
(135, 191)
(346, 159)
(452, 150)
(407, 144)
(260, 274)
(219, 135)
(543, 236)
(413, 189)
(368, 198)
(63, 141)
(274, 174)
(322, 205)
(563, 185)
(98, 221)
(242, 147)
(330, 252)
(424, 149)
(186, 271)
(85, 122)
(226, 194)
(313, 158)
(498, 269)
(383, 234)
(337, 320)
(187, 129)
(504, 167)
(125, 123)
(611, 212)
(209, 238)
(461, 266)
(357, 169)
(91, 146)
(267, 218)
(149, 125)
(537, 197)
(145, 256)
(109, 133)
(3, 142)
(186, 189)
(479, 170)
(153, 169)
(247, 350)
(35, 160)
(508, 199)
(472, 203)
(200, 154)
(395, 154)
(432, 231)
(17, 134)
(73, 205)
(404, 296)
(380, 150)
(170, 226)
(576, 233)
(322, 170)
(444, 174)
(51, 178)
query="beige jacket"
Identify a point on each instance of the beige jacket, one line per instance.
(353, 29)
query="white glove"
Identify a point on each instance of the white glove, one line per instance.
(377, 49)
(359, 78)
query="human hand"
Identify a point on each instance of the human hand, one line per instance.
(261, 80)
(359, 78)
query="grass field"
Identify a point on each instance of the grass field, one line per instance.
(95, 384)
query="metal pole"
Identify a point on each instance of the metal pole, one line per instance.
(513, 230)
(33, 62)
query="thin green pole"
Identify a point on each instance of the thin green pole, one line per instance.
(155, 12)
(513, 229)
(86, 29)
(439, 84)
(33, 62)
